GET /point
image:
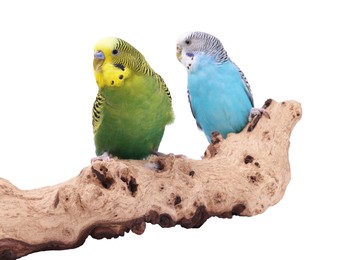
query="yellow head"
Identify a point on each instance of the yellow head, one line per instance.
(115, 60)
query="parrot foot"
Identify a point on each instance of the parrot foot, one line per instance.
(159, 154)
(156, 153)
(257, 112)
(158, 162)
(155, 162)
(152, 166)
(104, 157)
(155, 166)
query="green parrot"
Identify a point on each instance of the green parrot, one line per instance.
(133, 104)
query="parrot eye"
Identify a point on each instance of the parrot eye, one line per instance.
(115, 52)
(188, 42)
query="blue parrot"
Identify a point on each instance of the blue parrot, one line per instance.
(219, 94)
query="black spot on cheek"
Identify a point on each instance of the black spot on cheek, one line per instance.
(112, 82)
(121, 77)
(120, 66)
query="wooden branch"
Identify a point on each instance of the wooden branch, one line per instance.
(242, 175)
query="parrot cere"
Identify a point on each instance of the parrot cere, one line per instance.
(133, 104)
(219, 94)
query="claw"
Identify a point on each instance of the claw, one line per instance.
(257, 112)
(255, 116)
(159, 154)
(104, 157)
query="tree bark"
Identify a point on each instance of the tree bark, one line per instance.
(242, 175)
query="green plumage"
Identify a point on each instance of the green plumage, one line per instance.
(133, 104)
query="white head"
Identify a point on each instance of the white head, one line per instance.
(191, 44)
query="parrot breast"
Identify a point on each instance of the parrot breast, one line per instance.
(133, 118)
(218, 98)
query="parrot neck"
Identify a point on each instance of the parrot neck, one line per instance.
(131, 92)
(202, 63)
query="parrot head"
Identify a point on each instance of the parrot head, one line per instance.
(190, 45)
(114, 60)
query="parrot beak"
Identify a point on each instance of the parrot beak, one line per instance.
(97, 65)
(178, 52)
(98, 60)
(99, 55)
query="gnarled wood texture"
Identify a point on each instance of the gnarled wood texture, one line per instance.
(242, 175)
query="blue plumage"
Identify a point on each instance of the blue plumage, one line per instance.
(219, 94)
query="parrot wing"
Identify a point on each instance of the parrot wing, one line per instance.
(193, 113)
(96, 111)
(247, 85)
(163, 86)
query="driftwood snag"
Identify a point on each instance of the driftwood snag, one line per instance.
(242, 175)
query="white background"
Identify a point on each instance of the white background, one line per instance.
(287, 49)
